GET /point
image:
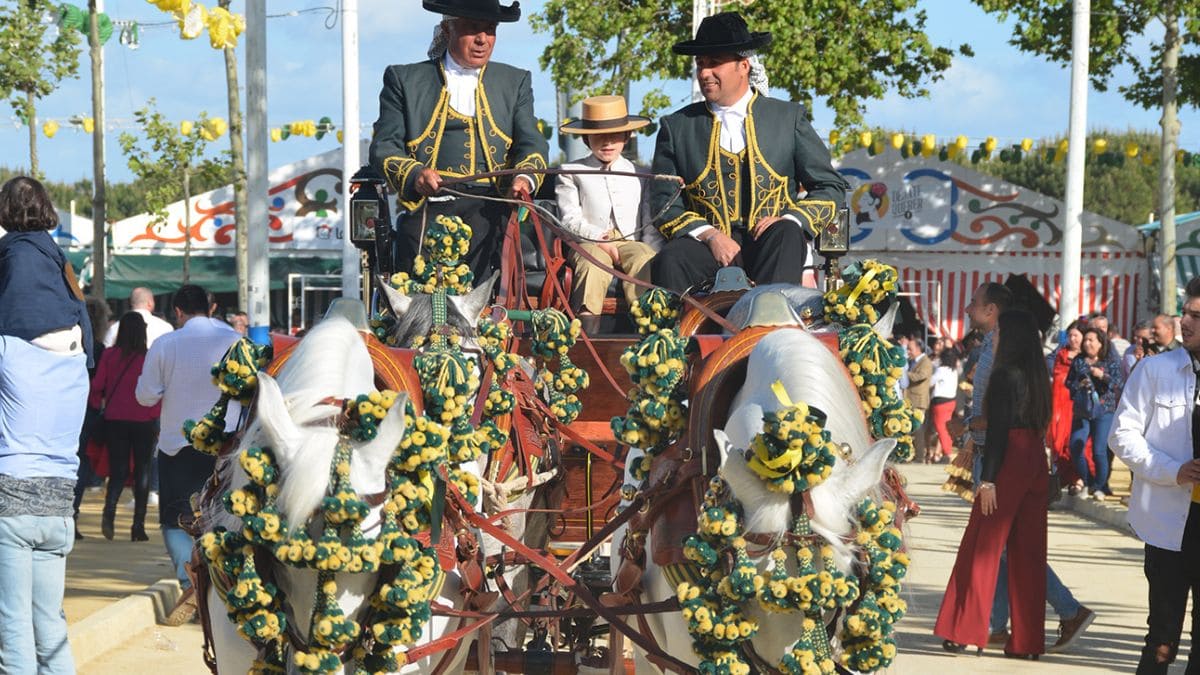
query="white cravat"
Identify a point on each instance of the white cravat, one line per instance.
(461, 84)
(733, 122)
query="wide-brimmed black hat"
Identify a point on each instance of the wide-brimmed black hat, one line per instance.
(724, 33)
(484, 10)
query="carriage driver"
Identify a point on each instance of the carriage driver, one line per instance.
(457, 114)
(740, 202)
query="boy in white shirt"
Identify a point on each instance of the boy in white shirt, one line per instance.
(605, 213)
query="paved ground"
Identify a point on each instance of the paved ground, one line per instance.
(1099, 563)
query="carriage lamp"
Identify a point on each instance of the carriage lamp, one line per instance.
(371, 225)
(832, 244)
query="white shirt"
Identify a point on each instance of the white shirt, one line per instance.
(178, 371)
(944, 383)
(155, 328)
(461, 84)
(1152, 434)
(733, 122)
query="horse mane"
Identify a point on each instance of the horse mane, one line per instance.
(417, 321)
(812, 374)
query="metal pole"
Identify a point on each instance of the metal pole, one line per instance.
(258, 287)
(700, 9)
(350, 143)
(1068, 305)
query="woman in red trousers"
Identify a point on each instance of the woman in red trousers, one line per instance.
(1010, 503)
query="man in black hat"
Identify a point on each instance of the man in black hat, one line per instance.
(457, 114)
(741, 199)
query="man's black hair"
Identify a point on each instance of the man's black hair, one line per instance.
(191, 299)
(1193, 288)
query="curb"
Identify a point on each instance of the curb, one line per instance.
(1107, 513)
(109, 627)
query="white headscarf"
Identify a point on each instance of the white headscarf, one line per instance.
(758, 72)
(441, 39)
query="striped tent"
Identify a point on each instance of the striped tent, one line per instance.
(949, 229)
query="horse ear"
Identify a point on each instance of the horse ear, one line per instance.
(398, 301)
(867, 471)
(274, 418)
(470, 305)
(887, 323)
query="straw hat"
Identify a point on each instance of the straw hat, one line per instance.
(604, 115)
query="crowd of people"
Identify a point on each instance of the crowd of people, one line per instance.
(1033, 414)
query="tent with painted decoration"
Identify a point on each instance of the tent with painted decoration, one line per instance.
(948, 229)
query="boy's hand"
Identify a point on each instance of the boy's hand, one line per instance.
(611, 250)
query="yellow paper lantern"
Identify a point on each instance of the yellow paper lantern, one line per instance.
(1063, 146)
(50, 128)
(960, 143)
(833, 137)
(897, 141)
(224, 28)
(1131, 149)
(928, 145)
(276, 135)
(1026, 144)
(340, 137)
(952, 150)
(1100, 145)
(989, 144)
(186, 127)
(213, 128)
(1179, 155)
(877, 145)
(847, 146)
(89, 125)
(191, 21)
(864, 139)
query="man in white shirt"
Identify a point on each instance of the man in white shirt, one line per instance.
(605, 211)
(178, 373)
(454, 115)
(1156, 433)
(141, 300)
(745, 160)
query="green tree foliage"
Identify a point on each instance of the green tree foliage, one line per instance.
(165, 157)
(33, 60)
(847, 52)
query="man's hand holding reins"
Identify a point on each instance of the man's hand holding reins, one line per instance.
(521, 188)
(428, 183)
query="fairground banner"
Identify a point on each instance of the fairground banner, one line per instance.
(304, 206)
(948, 229)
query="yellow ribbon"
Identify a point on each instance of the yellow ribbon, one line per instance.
(861, 285)
(781, 394)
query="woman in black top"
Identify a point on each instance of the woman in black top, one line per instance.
(1010, 506)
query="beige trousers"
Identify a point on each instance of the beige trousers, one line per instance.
(591, 282)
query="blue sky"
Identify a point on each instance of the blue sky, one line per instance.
(1000, 91)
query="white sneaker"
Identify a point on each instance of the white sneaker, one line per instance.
(1099, 495)
(153, 500)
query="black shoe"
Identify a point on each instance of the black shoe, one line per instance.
(1023, 657)
(107, 526)
(138, 533)
(78, 534)
(956, 648)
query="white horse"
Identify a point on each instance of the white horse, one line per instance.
(811, 373)
(293, 417)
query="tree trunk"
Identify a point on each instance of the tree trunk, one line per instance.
(239, 174)
(1170, 142)
(99, 203)
(31, 118)
(187, 223)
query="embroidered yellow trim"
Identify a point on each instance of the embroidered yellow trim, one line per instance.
(670, 228)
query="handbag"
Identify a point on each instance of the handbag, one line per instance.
(100, 431)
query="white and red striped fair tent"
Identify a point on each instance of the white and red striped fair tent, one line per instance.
(948, 229)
